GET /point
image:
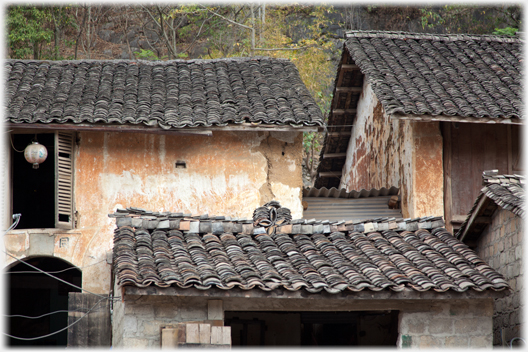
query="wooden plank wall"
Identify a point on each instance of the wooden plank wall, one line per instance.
(94, 330)
(469, 149)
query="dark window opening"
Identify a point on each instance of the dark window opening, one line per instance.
(34, 189)
(364, 328)
(33, 294)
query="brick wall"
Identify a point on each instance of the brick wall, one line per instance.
(462, 324)
(500, 245)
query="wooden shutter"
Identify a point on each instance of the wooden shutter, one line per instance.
(64, 180)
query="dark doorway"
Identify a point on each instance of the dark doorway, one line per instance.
(34, 294)
(366, 328)
(34, 189)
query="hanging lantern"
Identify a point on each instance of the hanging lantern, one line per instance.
(35, 153)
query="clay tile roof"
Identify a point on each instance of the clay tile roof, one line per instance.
(272, 251)
(505, 191)
(460, 75)
(171, 94)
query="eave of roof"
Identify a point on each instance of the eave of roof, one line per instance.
(505, 191)
(279, 293)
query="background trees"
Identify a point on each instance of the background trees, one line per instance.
(310, 36)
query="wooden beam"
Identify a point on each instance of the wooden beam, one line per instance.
(482, 220)
(481, 206)
(334, 155)
(448, 197)
(459, 218)
(344, 111)
(349, 67)
(338, 134)
(462, 119)
(280, 293)
(349, 89)
(330, 174)
(208, 131)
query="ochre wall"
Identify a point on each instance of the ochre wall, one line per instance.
(229, 173)
(385, 152)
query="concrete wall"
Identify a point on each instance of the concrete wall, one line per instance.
(423, 323)
(227, 174)
(500, 245)
(385, 152)
(450, 325)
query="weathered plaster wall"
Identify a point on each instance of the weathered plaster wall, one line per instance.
(500, 245)
(449, 325)
(385, 152)
(423, 323)
(227, 174)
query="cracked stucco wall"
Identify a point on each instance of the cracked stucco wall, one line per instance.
(385, 152)
(227, 174)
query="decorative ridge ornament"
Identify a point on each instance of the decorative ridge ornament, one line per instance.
(35, 153)
(271, 215)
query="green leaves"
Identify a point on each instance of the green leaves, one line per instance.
(27, 31)
(509, 31)
(31, 29)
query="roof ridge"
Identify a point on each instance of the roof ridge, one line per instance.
(430, 36)
(149, 62)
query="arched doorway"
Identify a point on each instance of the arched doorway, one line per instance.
(34, 294)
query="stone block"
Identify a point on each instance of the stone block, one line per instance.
(215, 309)
(135, 343)
(457, 342)
(441, 326)
(228, 227)
(192, 333)
(205, 334)
(221, 335)
(306, 229)
(484, 341)
(142, 310)
(205, 227)
(164, 225)
(416, 326)
(123, 221)
(185, 225)
(193, 313)
(151, 329)
(41, 244)
(137, 222)
(369, 227)
(164, 312)
(473, 326)
(130, 324)
(194, 227)
(427, 341)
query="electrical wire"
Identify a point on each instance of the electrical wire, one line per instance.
(40, 316)
(11, 140)
(56, 332)
(54, 272)
(57, 278)
(17, 217)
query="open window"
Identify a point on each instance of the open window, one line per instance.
(310, 328)
(43, 196)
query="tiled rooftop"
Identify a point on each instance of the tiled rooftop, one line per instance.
(424, 74)
(423, 77)
(169, 94)
(505, 191)
(272, 251)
